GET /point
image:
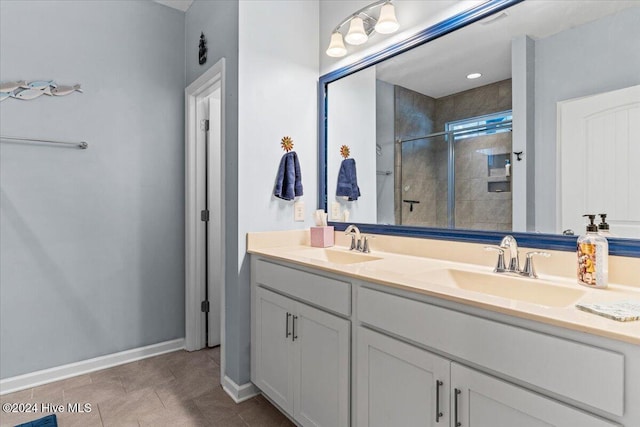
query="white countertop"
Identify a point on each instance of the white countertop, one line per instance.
(431, 277)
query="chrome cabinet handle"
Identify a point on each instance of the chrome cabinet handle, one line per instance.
(295, 334)
(455, 408)
(438, 412)
(287, 333)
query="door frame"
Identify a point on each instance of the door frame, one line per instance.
(196, 92)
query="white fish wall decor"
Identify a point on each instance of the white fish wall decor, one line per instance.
(65, 90)
(11, 86)
(20, 89)
(28, 94)
(41, 84)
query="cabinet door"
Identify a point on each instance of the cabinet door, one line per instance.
(485, 401)
(321, 346)
(274, 355)
(397, 384)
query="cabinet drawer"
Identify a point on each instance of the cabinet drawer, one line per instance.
(334, 295)
(587, 374)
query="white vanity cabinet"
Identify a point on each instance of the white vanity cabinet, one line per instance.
(399, 384)
(481, 400)
(474, 398)
(403, 385)
(300, 354)
(334, 351)
(273, 347)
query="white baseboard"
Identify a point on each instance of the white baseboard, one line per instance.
(239, 393)
(33, 379)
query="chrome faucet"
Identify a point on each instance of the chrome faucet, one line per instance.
(510, 244)
(355, 236)
(359, 242)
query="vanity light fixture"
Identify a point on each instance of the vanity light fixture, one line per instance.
(336, 47)
(361, 24)
(474, 76)
(387, 22)
(356, 35)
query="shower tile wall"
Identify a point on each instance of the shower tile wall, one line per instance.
(421, 166)
(415, 170)
(476, 207)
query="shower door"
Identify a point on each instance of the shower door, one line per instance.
(459, 178)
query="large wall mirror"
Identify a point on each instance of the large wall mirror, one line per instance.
(521, 121)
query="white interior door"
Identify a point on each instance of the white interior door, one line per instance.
(599, 147)
(204, 100)
(216, 237)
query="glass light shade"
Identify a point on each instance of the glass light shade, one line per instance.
(356, 34)
(387, 22)
(336, 47)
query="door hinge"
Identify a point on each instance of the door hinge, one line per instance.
(204, 306)
(206, 125)
(204, 215)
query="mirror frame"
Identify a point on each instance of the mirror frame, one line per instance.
(617, 246)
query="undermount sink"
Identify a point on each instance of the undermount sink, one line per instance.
(515, 288)
(336, 256)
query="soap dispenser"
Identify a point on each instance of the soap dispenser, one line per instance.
(603, 227)
(593, 257)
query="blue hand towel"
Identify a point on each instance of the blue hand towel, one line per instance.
(348, 181)
(289, 179)
(48, 421)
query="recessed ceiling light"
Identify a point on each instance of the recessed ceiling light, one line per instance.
(474, 76)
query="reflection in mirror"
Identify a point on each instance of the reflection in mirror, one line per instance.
(436, 146)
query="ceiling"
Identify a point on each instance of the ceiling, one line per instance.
(182, 5)
(439, 68)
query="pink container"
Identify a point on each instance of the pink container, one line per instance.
(322, 237)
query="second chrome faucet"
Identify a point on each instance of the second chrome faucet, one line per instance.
(359, 242)
(510, 246)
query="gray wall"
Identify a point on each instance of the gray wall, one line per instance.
(596, 57)
(92, 248)
(219, 22)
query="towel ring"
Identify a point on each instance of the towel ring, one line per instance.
(345, 151)
(286, 143)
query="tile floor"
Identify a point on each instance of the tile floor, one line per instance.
(175, 389)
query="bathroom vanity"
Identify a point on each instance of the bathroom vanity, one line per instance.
(385, 339)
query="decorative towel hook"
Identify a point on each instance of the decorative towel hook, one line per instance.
(518, 154)
(286, 143)
(345, 151)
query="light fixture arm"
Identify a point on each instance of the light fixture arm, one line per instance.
(361, 11)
